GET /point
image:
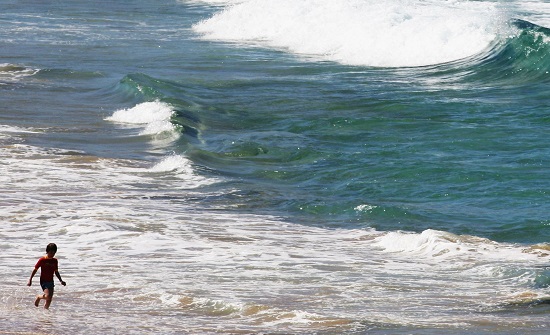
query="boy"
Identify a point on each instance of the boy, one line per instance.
(48, 265)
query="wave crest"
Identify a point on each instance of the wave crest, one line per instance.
(397, 33)
(154, 116)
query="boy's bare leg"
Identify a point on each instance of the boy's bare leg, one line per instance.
(48, 295)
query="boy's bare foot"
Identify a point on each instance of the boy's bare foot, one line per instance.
(37, 301)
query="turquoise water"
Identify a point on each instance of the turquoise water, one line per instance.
(422, 134)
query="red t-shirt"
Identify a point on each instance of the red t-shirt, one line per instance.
(48, 267)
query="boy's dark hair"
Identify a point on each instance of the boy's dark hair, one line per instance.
(51, 247)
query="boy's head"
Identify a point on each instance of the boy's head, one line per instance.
(51, 248)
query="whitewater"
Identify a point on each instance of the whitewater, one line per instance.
(392, 34)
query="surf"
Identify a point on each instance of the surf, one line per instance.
(397, 33)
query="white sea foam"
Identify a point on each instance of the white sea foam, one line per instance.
(181, 167)
(14, 73)
(153, 116)
(154, 119)
(5, 129)
(364, 208)
(173, 163)
(361, 32)
(213, 2)
(437, 245)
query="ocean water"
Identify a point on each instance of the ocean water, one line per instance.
(276, 167)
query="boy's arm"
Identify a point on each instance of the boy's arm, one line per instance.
(32, 275)
(59, 277)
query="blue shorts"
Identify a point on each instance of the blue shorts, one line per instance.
(47, 285)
